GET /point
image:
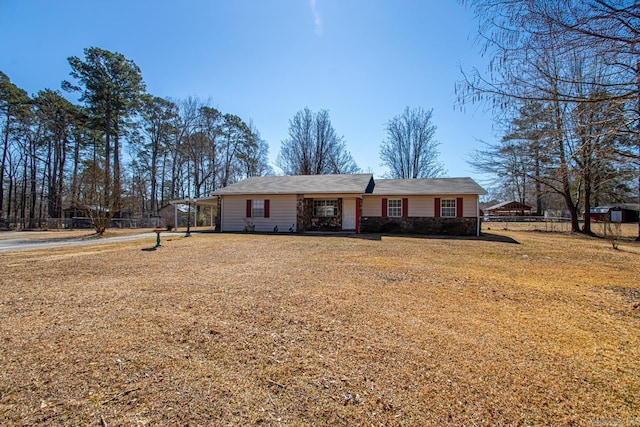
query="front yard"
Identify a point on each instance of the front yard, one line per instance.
(519, 328)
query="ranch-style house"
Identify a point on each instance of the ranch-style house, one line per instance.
(354, 202)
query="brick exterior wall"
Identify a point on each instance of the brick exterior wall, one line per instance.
(418, 225)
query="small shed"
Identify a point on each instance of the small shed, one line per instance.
(621, 212)
(511, 208)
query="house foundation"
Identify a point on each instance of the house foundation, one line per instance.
(420, 225)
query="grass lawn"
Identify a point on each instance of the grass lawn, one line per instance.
(519, 328)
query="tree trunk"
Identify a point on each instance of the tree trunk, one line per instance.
(33, 185)
(74, 175)
(117, 187)
(5, 149)
(537, 180)
(637, 139)
(23, 196)
(154, 177)
(638, 238)
(9, 191)
(564, 168)
(586, 227)
(107, 162)
(60, 179)
(162, 175)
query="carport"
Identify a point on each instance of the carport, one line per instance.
(189, 206)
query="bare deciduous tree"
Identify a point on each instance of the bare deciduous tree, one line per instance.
(313, 147)
(411, 149)
(563, 55)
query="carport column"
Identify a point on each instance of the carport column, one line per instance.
(175, 217)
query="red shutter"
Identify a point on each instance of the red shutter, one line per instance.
(384, 207)
(459, 211)
(405, 207)
(437, 208)
(266, 208)
(248, 208)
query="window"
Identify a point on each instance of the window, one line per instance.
(325, 208)
(394, 207)
(448, 208)
(257, 208)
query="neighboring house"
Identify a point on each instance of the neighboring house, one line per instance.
(622, 212)
(511, 208)
(350, 202)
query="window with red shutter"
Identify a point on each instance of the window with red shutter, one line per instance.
(436, 212)
(384, 208)
(266, 208)
(459, 211)
(248, 208)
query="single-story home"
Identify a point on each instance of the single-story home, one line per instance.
(354, 202)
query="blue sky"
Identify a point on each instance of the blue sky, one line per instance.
(264, 60)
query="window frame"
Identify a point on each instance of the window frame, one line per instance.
(449, 207)
(257, 208)
(324, 204)
(396, 209)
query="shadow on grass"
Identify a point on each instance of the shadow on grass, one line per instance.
(488, 237)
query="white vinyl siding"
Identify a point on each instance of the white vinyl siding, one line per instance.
(372, 206)
(470, 206)
(419, 206)
(282, 213)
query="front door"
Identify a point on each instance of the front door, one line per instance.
(348, 214)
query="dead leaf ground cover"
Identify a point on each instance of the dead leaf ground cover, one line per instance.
(523, 328)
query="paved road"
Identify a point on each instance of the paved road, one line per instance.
(12, 245)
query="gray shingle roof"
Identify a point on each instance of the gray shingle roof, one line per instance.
(300, 184)
(350, 184)
(427, 186)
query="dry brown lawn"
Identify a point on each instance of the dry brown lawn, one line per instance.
(628, 231)
(524, 328)
(71, 234)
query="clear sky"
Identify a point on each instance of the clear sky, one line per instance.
(264, 60)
